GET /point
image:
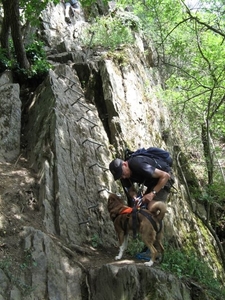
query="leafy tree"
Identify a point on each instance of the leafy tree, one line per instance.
(12, 20)
(190, 52)
(12, 24)
(190, 49)
(111, 31)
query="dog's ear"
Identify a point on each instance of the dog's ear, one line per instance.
(132, 192)
(112, 216)
(111, 203)
(110, 198)
(113, 198)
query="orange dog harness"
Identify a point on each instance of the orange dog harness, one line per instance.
(127, 210)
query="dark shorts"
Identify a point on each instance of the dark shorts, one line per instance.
(162, 195)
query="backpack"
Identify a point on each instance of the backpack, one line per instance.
(152, 152)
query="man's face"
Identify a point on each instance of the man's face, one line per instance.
(126, 172)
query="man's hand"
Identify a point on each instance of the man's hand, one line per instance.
(148, 197)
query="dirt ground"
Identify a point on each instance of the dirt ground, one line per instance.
(18, 208)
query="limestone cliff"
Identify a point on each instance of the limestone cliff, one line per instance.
(85, 112)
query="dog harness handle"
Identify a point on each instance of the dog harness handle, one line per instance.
(127, 210)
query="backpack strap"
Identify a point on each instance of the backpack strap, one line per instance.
(134, 222)
(149, 217)
(127, 153)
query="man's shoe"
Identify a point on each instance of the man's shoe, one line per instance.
(144, 255)
(67, 19)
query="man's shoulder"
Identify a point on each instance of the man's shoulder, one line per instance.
(141, 163)
(141, 159)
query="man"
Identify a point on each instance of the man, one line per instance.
(143, 170)
(72, 5)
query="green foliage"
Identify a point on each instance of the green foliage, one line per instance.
(33, 8)
(109, 32)
(213, 193)
(96, 241)
(3, 59)
(28, 262)
(89, 3)
(5, 62)
(118, 57)
(190, 266)
(190, 48)
(36, 56)
(135, 246)
(15, 273)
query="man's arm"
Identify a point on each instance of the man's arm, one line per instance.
(163, 178)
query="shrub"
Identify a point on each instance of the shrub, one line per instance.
(135, 245)
(190, 266)
(36, 56)
(108, 32)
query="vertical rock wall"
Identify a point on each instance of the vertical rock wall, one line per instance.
(69, 149)
(10, 118)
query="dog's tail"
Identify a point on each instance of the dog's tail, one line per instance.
(158, 210)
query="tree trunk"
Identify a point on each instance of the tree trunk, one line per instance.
(4, 37)
(207, 152)
(11, 10)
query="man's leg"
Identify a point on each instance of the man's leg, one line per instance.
(75, 7)
(162, 195)
(67, 12)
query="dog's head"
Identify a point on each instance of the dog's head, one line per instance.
(115, 205)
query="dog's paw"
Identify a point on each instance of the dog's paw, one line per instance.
(149, 263)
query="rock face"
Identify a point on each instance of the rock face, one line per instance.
(135, 282)
(10, 118)
(78, 119)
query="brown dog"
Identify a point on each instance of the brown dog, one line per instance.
(150, 231)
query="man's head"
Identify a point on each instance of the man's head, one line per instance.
(119, 169)
(115, 168)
